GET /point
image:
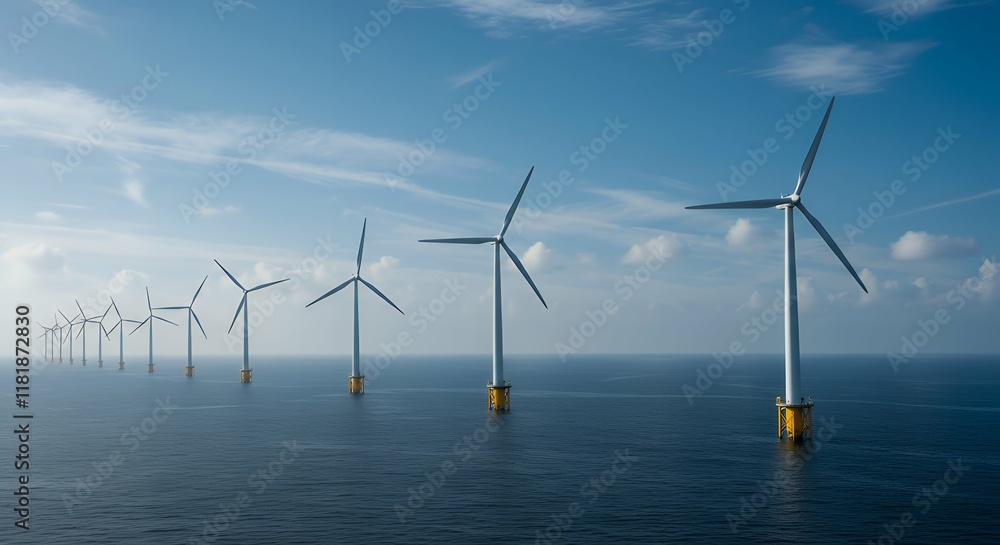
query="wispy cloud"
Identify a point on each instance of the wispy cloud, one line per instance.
(845, 68)
(886, 7)
(664, 32)
(472, 75)
(132, 187)
(951, 202)
(72, 13)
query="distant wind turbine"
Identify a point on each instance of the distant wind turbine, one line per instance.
(83, 331)
(498, 391)
(70, 323)
(149, 305)
(794, 414)
(189, 370)
(60, 328)
(46, 335)
(121, 334)
(246, 374)
(356, 382)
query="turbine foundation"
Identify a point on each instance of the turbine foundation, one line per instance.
(189, 371)
(794, 420)
(100, 364)
(246, 375)
(121, 366)
(84, 363)
(356, 384)
(149, 367)
(498, 397)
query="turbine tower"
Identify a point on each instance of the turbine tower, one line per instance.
(121, 334)
(189, 370)
(83, 331)
(149, 305)
(356, 382)
(794, 413)
(246, 374)
(47, 336)
(60, 328)
(70, 323)
(497, 390)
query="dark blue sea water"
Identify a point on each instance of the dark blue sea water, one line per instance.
(596, 450)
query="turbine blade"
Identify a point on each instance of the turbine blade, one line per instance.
(811, 156)
(361, 247)
(116, 308)
(148, 302)
(142, 323)
(81, 331)
(373, 288)
(517, 263)
(331, 292)
(116, 327)
(64, 317)
(164, 320)
(231, 277)
(107, 334)
(169, 308)
(197, 321)
(833, 245)
(238, 309)
(262, 286)
(81, 309)
(473, 240)
(105, 315)
(199, 290)
(762, 203)
(513, 207)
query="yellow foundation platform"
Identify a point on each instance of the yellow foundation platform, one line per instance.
(189, 371)
(246, 375)
(356, 385)
(794, 421)
(121, 366)
(498, 397)
(149, 367)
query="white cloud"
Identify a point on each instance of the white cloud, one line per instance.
(754, 303)
(473, 75)
(921, 245)
(209, 211)
(745, 233)
(46, 215)
(131, 186)
(383, 264)
(887, 7)
(29, 262)
(668, 248)
(553, 14)
(538, 258)
(871, 282)
(843, 68)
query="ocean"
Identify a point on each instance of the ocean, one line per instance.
(600, 449)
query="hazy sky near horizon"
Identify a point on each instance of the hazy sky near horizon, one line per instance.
(140, 141)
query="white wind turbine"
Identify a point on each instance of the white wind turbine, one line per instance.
(356, 382)
(189, 370)
(70, 323)
(121, 334)
(794, 414)
(83, 331)
(149, 305)
(47, 336)
(60, 328)
(498, 391)
(246, 374)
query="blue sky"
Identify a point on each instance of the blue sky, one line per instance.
(321, 110)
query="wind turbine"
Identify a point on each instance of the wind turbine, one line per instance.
(121, 334)
(46, 335)
(794, 414)
(498, 391)
(246, 374)
(189, 370)
(83, 331)
(356, 382)
(70, 323)
(60, 328)
(149, 305)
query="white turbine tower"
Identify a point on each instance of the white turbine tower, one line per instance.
(794, 414)
(149, 305)
(189, 370)
(60, 328)
(498, 391)
(83, 331)
(356, 382)
(121, 334)
(46, 335)
(70, 323)
(246, 374)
